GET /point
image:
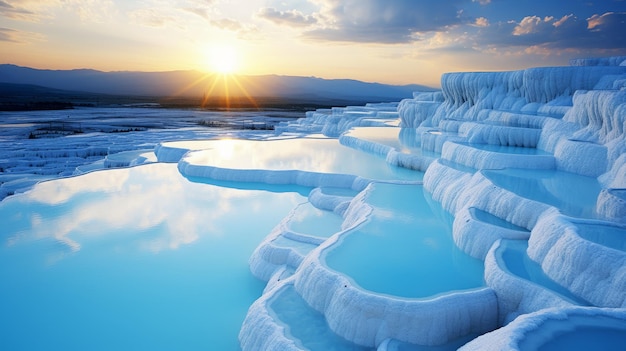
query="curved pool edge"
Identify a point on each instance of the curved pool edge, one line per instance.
(260, 330)
(556, 245)
(272, 177)
(456, 190)
(368, 318)
(531, 331)
(475, 237)
(267, 259)
(516, 296)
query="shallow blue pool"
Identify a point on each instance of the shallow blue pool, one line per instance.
(307, 219)
(607, 235)
(319, 155)
(307, 325)
(390, 136)
(577, 333)
(551, 187)
(406, 248)
(131, 259)
(512, 254)
(588, 338)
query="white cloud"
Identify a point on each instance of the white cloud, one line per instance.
(18, 37)
(290, 17)
(531, 24)
(24, 10)
(36, 10)
(227, 24)
(481, 22)
(7, 34)
(92, 10)
(243, 31)
(203, 8)
(380, 21)
(153, 17)
(563, 20)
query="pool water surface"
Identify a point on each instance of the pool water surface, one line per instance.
(318, 155)
(405, 248)
(131, 259)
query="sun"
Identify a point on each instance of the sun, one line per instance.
(223, 59)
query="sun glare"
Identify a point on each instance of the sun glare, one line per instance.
(226, 148)
(223, 84)
(223, 59)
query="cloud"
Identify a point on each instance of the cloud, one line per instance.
(35, 10)
(202, 8)
(228, 24)
(92, 10)
(568, 32)
(532, 24)
(157, 13)
(410, 21)
(291, 18)
(381, 21)
(162, 14)
(199, 11)
(511, 42)
(11, 9)
(243, 31)
(18, 37)
(9, 35)
(481, 22)
(152, 17)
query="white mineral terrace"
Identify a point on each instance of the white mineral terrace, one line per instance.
(532, 166)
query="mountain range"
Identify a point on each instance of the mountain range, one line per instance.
(199, 85)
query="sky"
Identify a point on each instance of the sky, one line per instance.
(386, 41)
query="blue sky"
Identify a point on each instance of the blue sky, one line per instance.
(389, 41)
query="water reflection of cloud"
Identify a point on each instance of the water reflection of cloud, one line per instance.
(149, 208)
(61, 190)
(304, 154)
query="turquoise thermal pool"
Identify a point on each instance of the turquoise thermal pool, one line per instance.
(606, 235)
(515, 150)
(579, 332)
(491, 219)
(307, 219)
(512, 255)
(136, 258)
(405, 248)
(307, 325)
(551, 187)
(389, 136)
(318, 155)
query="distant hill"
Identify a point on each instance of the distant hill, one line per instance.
(194, 84)
(20, 97)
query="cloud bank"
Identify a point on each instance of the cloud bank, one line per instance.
(409, 21)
